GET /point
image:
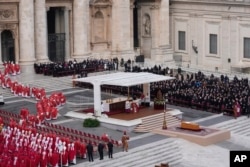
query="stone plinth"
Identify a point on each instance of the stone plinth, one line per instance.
(206, 136)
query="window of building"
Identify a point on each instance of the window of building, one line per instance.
(246, 47)
(213, 43)
(182, 40)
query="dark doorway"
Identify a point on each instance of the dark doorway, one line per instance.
(56, 34)
(8, 46)
(135, 22)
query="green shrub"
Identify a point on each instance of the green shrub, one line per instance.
(90, 122)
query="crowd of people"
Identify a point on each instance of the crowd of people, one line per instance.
(23, 145)
(22, 148)
(217, 93)
(75, 67)
(46, 106)
(11, 68)
(210, 93)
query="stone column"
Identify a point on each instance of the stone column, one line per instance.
(80, 17)
(97, 99)
(26, 29)
(1, 59)
(225, 38)
(155, 26)
(16, 38)
(146, 89)
(41, 36)
(132, 23)
(121, 42)
(67, 41)
(164, 23)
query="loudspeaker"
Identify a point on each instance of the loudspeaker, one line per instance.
(229, 60)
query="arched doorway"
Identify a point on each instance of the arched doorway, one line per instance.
(7, 46)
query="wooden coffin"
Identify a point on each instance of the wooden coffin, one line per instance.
(190, 125)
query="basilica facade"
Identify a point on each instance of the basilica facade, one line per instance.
(204, 34)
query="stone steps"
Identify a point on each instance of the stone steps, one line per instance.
(229, 122)
(50, 84)
(234, 124)
(146, 155)
(238, 126)
(155, 121)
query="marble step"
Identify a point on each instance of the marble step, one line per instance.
(150, 128)
(169, 118)
(234, 122)
(155, 122)
(235, 126)
(140, 155)
(136, 159)
(170, 158)
(242, 130)
(229, 122)
(247, 134)
(174, 161)
(167, 141)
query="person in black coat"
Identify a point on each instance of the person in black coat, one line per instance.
(110, 149)
(90, 150)
(100, 150)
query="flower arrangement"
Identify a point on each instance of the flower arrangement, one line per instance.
(159, 101)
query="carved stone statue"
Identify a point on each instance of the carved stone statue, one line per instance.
(147, 25)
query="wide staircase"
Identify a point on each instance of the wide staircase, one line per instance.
(240, 128)
(163, 151)
(152, 122)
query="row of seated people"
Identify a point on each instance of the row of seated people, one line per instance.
(58, 69)
(155, 70)
(209, 93)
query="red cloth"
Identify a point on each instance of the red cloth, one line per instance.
(65, 158)
(72, 154)
(24, 112)
(43, 160)
(105, 137)
(22, 161)
(54, 113)
(54, 159)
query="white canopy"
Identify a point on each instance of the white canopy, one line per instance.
(124, 78)
(119, 79)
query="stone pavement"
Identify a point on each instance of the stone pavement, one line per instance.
(145, 149)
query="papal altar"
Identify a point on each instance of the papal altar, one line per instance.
(114, 104)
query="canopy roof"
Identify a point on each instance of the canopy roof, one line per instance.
(125, 79)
